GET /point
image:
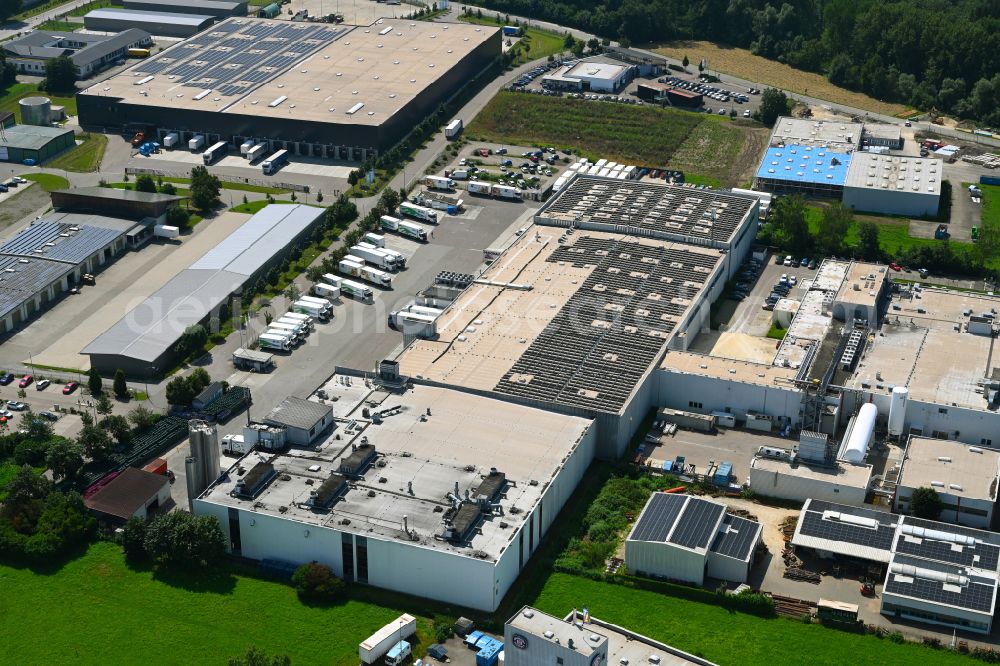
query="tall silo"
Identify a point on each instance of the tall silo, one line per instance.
(202, 466)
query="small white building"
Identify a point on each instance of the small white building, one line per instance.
(965, 478)
(687, 538)
(304, 421)
(591, 76)
(784, 477)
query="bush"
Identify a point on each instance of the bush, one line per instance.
(134, 539)
(316, 582)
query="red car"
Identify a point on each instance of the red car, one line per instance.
(70, 387)
(26, 381)
(896, 267)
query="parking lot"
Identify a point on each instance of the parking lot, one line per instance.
(506, 165)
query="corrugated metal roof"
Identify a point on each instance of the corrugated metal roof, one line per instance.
(138, 15)
(224, 5)
(154, 325)
(114, 194)
(295, 412)
(30, 137)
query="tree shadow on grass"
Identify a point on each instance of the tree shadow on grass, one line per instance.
(214, 580)
(50, 566)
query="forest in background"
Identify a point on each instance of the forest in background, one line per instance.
(931, 54)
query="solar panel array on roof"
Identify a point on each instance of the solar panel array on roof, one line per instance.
(981, 555)
(961, 588)
(238, 55)
(697, 524)
(736, 537)
(659, 517)
(605, 337)
(57, 241)
(880, 537)
(710, 215)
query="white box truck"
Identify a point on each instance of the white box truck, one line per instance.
(215, 152)
(246, 146)
(439, 183)
(357, 291)
(171, 140)
(376, 277)
(311, 309)
(351, 268)
(277, 328)
(376, 646)
(322, 302)
(272, 341)
(378, 240)
(274, 162)
(166, 231)
(506, 192)
(453, 129)
(419, 212)
(196, 142)
(256, 152)
(375, 256)
(412, 323)
(398, 257)
(480, 187)
(306, 320)
(424, 310)
(324, 290)
(302, 329)
(332, 280)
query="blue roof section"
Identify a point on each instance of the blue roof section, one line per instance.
(805, 164)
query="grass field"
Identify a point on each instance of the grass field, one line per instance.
(710, 149)
(535, 44)
(10, 97)
(84, 157)
(252, 207)
(226, 185)
(991, 205)
(102, 608)
(57, 25)
(48, 181)
(729, 638)
(742, 63)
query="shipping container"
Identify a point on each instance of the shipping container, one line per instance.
(156, 466)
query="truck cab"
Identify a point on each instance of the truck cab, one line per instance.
(397, 654)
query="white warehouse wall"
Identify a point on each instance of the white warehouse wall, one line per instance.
(728, 568)
(798, 489)
(664, 560)
(956, 614)
(676, 390)
(891, 202)
(955, 510)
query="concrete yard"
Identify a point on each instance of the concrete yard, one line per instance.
(735, 446)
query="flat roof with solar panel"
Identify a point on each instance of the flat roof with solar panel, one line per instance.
(706, 217)
(300, 71)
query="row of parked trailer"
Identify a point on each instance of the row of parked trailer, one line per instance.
(250, 149)
(292, 328)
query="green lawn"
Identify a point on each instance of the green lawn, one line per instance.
(991, 204)
(84, 157)
(535, 43)
(180, 191)
(97, 610)
(776, 332)
(729, 638)
(10, 97)
(60, 26)
(644, 135)
(226, 185)
(48, 181)
(252, 207)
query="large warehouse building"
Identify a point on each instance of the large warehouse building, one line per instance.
(161, 24)
(433, 492)
(142, 342)
(315, 89)
(216, 8)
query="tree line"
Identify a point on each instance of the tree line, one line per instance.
(932, 55)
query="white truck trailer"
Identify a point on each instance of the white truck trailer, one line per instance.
(506, 192)
(375, 256)
(274, 162)
(291, 330)
(418, 212)
(453, 129)
(324, 290)
(312, 309)
(196, 142)
(376, 646)
(439, 183)
(357, 291)
(256, 152)
(378, 240)
(412, 323)
(306, 320)
(480, 187)
(376, 277)
(397, 257)
(274, 341)
(302, 329)
(246, 146)
(171, 140)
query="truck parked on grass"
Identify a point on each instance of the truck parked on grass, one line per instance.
(418, 212)
(376, 646)
(404, 228)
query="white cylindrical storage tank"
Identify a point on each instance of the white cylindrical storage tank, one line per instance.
(35, 110)
(897, 410)
(861, 434)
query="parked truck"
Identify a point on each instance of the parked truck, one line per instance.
(274, 341)
(312, 309)
(171, 140)
(404, 228)
(196, 142)
(413, 323)
(292, 331)
(506, 192)
(246, 146)
(437, 204)
(480, 187)
(324, 290)
(378, 240)
(377, 646)
(376, 277)
(256, 152)
(453, 129)
(419, 212)
(305, 320)
(377, 257)
(215, 152)
(398, 257)
(274, 162)
(439, 183)
(302, 329)
(348, 267)
(357, 291)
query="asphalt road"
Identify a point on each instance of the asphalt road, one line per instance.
(13, 28)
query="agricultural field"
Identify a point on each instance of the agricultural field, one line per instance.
(745, 65)
(715, 149)
(93, 609)
(730, 638)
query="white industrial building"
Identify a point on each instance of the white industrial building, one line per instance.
(936, 573)
(965, 478)
(686, 538)
(534, 638)
(893, 185)
(437, 493)
(591, 75)
(304, 421)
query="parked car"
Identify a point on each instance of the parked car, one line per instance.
(51, 416)
(6, 413)
(42, 384)
(6, 378)
(16, 406)
(70, 387)
(25, 381)
(894, 266)
(812, 265)
(788, 260)
(924, 272)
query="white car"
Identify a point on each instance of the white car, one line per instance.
(746, 113)
(42, 384)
